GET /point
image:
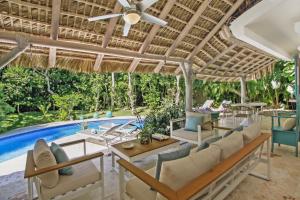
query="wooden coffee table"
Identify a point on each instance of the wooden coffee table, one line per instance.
(140, 151)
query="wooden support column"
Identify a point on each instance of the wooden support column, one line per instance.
(7, 58)
(186, 67)
(54, 30)
(243, 89)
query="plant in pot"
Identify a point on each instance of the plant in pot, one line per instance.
(145, 135)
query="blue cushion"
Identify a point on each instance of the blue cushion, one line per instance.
(206, 144)
(183, 151)
(239, 128)
(192, 122)
(61, 156)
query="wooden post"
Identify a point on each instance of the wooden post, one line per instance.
(186, 67)
(243, 89)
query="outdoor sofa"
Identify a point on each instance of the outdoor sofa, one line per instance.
(211, 173)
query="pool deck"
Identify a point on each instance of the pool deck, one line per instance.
(54, 124)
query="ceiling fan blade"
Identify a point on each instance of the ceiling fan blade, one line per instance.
(104, 17)
(146, 4)
(124, 3)
(126, 29)
(152, 19)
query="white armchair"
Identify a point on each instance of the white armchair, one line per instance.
(189, 136)
(86, 176)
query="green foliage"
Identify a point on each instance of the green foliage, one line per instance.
(44, 108)
(5, 108)
(158, 120)
(66, 105)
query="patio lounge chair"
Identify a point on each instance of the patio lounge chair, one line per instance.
(49, 184)
(205, 107)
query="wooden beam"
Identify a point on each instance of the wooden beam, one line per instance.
(152, 33)
(188, 26)
(98, 62)
(54, 30)
(159, 66)
(134, 64)
(215, 29)
(7, 58)
(229, 60)
(184, 32)
(218, 57)
(10, 37)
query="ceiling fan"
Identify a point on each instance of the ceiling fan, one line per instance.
(134, 12)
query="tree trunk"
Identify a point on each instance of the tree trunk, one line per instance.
(112, 90)
(97, 100)
(48, 82)
(177, 96)
(130, 95)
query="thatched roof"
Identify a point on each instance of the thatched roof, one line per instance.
(198, 39)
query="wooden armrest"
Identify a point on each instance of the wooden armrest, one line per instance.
(31, 171)
(161, 188)
(205, 179)
(222, 128)
(177, 120)
(72, 142)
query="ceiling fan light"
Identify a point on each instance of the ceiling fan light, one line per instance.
(132, 18)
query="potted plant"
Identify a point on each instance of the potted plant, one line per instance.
(145, 135)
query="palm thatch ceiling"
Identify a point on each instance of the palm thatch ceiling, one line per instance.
(192, 33)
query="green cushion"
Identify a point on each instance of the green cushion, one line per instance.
(61, 156)
(192, 122)
(183, 151)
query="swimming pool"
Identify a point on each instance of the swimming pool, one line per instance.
(16, 145)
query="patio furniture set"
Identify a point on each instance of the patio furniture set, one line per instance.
(236, 153)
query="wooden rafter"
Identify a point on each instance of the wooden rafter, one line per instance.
(152, 34)
(238, 63)
(215, 29)
(218, 57)
(185, 31)
(54, 30)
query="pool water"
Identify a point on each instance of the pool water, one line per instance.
(16, 145)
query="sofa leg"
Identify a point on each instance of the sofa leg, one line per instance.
(121, 182)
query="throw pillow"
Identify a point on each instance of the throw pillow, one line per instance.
(206, 126)
(43, 157)
(239, 128)
(289, 124)
(61, 156)
(183, 151)
(192, 122)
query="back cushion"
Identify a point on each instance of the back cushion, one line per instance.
(289, 124)
(251, 132)
(178, 173)
(43, 158)
(229, 145)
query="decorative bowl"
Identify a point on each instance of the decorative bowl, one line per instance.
(127, 146)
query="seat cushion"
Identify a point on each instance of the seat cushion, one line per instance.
(229, 145)
(289, 124)
(192, 136)
(251, 132)
(43, 157)
(192, 122)
(83, 174)
(137, 189)
(61, 156)
(178, 173)
(183, 151)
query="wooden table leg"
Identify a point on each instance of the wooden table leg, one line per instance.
(30, 188)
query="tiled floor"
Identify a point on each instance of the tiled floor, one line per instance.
(285, 183)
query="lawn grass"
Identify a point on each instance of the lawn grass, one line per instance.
(13, 121)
